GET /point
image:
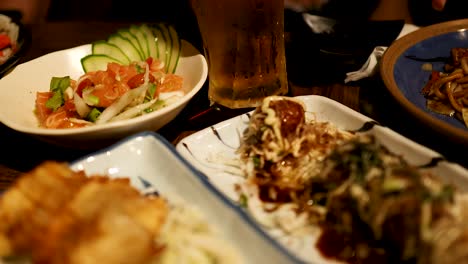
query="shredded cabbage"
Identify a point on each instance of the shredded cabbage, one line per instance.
(189, 238)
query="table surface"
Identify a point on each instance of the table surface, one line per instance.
(20, 152)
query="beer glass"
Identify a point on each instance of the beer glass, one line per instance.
(243, 42)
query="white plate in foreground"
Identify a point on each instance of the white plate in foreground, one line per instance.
(18, 94)
(207, 149)
(147, 158)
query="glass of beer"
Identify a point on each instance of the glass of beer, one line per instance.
(243, 42)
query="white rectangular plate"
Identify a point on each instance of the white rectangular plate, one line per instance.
(209, 149)
(147, 158)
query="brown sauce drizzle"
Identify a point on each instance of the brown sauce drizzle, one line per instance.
(334, 245)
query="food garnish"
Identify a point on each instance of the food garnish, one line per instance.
(136, 43)
(55, 215)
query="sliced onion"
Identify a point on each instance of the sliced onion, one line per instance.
(80, 121)
(139, 100)
(133, 111)
(86, 93)
(158, 75)
(68, 94)
(119, 104)
(165, 96)
(81, 107)
(81, 79)
(147, 72)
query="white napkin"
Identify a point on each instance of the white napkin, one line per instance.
(301, 6)
(370, 67)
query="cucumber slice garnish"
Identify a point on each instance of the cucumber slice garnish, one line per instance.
(175, 49)
(133, 39)
(168, 45)
(161, 43)
(135, 30)
(105, 48)
(136, 43)
(96, 62)
(150, 41)
(125, 45)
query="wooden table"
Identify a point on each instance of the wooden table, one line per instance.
(20, 153)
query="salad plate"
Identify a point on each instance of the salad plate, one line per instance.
(151, 161)
(214, 152)
(18, 95)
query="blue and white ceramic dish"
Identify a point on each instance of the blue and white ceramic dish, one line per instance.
(404, 77)
(149, 160)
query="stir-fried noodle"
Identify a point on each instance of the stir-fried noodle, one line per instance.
(447, 91)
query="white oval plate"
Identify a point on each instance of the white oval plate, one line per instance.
(18, 93)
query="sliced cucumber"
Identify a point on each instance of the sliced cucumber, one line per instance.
(175, 49)
(125, 45)
(150, 40)
(162, 43)
(133, 39)
(96, 62)
(135, 30)
(105, 48)
(136, 43)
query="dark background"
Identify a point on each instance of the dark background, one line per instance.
(176, 12)
(179, 10)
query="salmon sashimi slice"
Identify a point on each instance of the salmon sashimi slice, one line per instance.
(171, 83)
(42, 111)
(62, 119)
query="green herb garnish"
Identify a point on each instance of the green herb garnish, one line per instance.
(150, 94)
(139, 69)
(93, 115)
(256, 161)
(243, 200)
(92, 100)
(58, 85)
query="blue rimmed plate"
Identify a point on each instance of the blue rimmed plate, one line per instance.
(148, 159)
(404, 77)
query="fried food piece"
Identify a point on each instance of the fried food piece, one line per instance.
(56, 215)
(108, 221)
(27, 207)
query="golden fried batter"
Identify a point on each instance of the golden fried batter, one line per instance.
(71, 218)
(27, 207)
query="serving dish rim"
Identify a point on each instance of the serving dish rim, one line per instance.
(387, 67)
